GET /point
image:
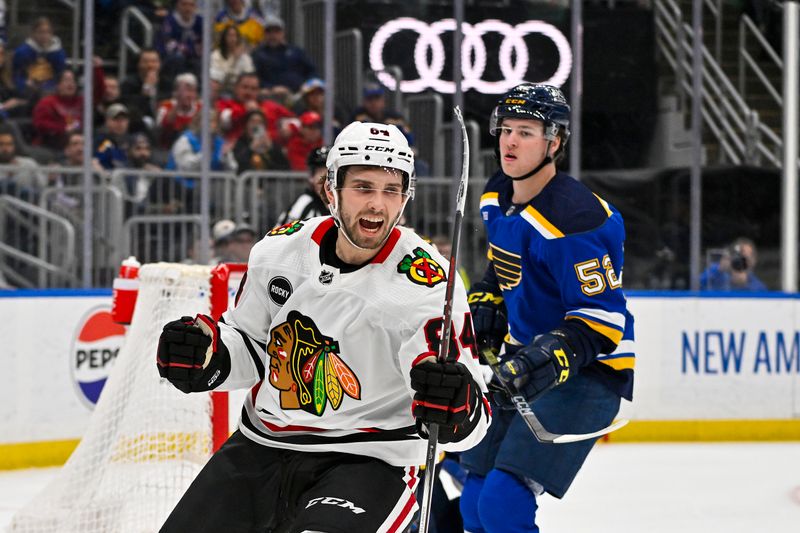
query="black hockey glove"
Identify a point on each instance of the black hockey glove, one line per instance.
(489, 318)
(546, 362)
(191, 355)
(446, 394)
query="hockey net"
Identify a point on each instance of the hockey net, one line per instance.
(146, 441)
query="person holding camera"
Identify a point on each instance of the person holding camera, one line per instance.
(734, 270)
(254, 150)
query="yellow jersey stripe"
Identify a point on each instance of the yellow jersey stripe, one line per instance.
(490, 198)
(619, 363)
(613, 334)
(604, 204)
(541, 224)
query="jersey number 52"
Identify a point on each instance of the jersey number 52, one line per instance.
(593, 280)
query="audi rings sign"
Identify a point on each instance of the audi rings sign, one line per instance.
(429, 54)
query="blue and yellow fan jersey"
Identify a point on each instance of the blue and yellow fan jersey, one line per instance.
(559, 259)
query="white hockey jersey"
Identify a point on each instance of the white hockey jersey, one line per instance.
(327, 354)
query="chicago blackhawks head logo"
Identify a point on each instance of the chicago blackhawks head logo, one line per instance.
(286, 229)
(305, 366)
(421, 269)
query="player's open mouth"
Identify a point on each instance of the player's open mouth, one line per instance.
(510, 157)
(370, 224)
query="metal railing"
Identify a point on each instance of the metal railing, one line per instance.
(177, 192)
(107, 217)
(475, 159)
(264, 196)
(171, 238)
(748, 63)
(715, 8)
(394, 97)
(734, 125)
(45, 252)
(349, 69)
(127, 43)
(37, 247)
(314, 30)
(424, 113)
(76, 7)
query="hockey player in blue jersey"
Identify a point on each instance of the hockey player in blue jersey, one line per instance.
(552, 297)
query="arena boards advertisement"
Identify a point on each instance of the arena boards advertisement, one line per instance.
(707, 368)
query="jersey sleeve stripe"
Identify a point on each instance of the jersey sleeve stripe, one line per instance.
(614, 335)
(540, 223)
(620, 363)
(611, 319)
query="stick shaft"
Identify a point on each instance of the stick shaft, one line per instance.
(447, 323)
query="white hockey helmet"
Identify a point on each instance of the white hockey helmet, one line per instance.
(373, 144)
(370, 144)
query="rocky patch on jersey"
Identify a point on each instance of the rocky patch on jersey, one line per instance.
(279, 290)
(287, 229)
(305, 367)
(421, 269)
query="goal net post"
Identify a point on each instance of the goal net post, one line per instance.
(146, 441)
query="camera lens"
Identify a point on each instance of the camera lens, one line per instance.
(738, 262)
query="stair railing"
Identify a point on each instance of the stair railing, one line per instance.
(734, 125)
(126, 42)
(748, 63)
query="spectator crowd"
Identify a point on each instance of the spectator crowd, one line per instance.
(267, 97)
(266, 109)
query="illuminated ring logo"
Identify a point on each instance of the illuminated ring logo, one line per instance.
(430, 40)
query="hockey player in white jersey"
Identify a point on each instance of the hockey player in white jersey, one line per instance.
(335, 333)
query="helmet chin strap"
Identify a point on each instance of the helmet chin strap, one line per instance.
(546, 161)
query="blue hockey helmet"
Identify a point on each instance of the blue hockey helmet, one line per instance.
(535, 101)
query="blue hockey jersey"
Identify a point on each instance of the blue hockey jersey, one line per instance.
(559, 257)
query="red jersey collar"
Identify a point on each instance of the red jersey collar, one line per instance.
(387, 248)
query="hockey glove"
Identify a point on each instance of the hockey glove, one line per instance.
(191, 355)
(489, 318)
(446, 394)
(545, 363)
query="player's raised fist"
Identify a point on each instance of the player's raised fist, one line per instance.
(190, 354)
(447, 395)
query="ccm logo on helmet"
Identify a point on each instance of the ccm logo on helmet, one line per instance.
(515, 101)
(376, 148)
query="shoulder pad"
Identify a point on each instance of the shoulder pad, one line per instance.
(566, 207)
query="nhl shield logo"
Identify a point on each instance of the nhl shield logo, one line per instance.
(422, 269)
(326, 277)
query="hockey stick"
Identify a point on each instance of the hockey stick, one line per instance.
(447, 315)
(527, 414)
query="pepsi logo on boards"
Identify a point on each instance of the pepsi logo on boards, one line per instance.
(95, 347)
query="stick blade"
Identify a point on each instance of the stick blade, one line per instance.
(562, 439)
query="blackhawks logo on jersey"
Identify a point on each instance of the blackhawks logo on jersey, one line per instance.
(305, 366)
(421, 268)
(286, 229)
